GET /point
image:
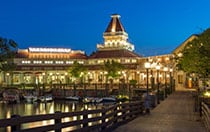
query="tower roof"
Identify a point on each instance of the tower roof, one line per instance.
(115, 24)
(121, 53)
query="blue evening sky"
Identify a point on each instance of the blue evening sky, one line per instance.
(154, 26)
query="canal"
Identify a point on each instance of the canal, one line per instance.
(27, 109)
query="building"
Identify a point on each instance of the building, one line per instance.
(182, 80)
(46, 65)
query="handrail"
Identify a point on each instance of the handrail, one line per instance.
(101, 119)
(206, 116)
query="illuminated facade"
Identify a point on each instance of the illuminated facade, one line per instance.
(182, 80)
(43, 65)
(50, 65)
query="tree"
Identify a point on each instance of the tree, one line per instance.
(112, 68)
(8, 49)
(195, 56)
(77, 70)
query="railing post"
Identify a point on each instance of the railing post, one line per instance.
(130, 110)
(103, 121)
(85, 117)
(200, 105)
(124, 112)
(115, 115)
(57, 121)
(140, 108)
(17, 127)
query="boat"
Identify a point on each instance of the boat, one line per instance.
(45, 98)
(92, 100)
(73, 98)
(11, 96)
(30, 98)
(98, 100)
(87, 99)
(109, 99)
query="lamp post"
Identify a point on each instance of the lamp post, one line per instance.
(43, 83)
(165, 70)
(171, 70)
(7, 79)
(158, 84)
(147, 66)
(151, 77)
(66, 77)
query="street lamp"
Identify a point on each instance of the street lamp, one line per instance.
(43, 77)
(165, 70)
(66, 78)
(147, 66)
(153, 65)
(7, 78)
(171, 70)
(158, 84)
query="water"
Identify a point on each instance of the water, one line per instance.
(26, 109)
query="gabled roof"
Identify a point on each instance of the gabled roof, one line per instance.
(115, 24)
(122, 53)
(182, 45)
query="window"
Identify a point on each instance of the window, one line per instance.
(37, 62)
(127, 61)
(48, 62)
(180, 78)
(69, 62)
(58, 62)
(16, 78)
(81, 62)
(133, 61)
(26, 62)
(100, 61)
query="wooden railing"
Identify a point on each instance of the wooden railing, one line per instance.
(206, 116)
(100, 120)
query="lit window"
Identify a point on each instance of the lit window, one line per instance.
(69, 62)
(37, 62)
(133, 60)
(81, 62)
(58, 62)
(127, 61)
(100, 61)
(167, 58)
(48, 62)
(91, 62)
(26, 62)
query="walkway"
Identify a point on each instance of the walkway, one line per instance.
(175, 114)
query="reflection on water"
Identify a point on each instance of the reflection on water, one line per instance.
(26, 109)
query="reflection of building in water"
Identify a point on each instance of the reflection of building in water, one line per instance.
(50, 65)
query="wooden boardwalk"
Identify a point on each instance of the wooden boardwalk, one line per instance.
(174, 114)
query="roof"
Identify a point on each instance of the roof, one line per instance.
(115, 24)
(113, 54)
(78, 56)
(74, 55)
(182, 45)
